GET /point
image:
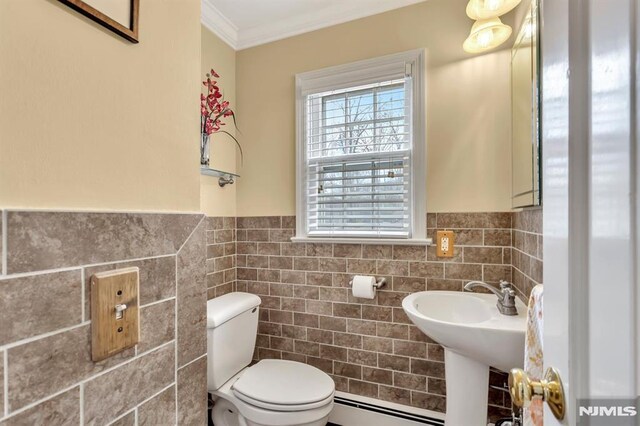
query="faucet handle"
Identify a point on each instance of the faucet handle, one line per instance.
(508, 297)
(505, 284)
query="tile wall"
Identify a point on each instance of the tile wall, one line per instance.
(221, 259)
(527, 250)
(369, 347)
(46, 372)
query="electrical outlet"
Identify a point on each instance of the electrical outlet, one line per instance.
(445, 243)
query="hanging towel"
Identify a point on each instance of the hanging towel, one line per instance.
(533, 361)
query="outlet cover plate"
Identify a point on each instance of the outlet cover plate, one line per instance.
(445, 243)
(113, 332)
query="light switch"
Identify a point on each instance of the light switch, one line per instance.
(114, 312)
(444, 243)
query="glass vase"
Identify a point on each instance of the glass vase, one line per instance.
(204, 149)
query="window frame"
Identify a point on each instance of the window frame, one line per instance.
(352, 75)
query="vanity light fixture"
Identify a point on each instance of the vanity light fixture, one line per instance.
(486, 34)
(487, 9)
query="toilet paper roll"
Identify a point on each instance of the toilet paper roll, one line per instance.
(364, 287)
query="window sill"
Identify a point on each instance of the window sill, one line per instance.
(377, 241)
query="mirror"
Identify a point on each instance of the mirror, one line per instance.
(525, 117)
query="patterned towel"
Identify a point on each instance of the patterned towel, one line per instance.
(533, 361)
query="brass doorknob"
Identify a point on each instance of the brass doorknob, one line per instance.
(523, 390)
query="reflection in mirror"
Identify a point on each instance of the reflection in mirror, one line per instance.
(525, 112)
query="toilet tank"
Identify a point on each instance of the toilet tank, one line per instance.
(232, 327)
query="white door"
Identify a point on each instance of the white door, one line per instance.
(591, 159)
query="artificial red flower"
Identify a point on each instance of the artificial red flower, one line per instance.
(213, 107)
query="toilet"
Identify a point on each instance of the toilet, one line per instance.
(271, 392)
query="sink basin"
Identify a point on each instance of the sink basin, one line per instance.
(475, 335)
(470, 324)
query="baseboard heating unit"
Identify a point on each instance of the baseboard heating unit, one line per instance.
(354, 410)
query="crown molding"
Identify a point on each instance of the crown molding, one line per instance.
(219, 24)
(240, 39)
(315, 20)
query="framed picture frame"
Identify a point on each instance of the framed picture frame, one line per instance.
(119, 16)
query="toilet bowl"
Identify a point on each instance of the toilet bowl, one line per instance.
(269, 393)
(275, 393)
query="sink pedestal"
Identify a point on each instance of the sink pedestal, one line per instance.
(467, 390)
(474, 335)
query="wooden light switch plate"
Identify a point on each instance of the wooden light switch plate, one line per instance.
(115, 324)
(444, 243)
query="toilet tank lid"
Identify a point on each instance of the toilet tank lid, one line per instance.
(223, 308)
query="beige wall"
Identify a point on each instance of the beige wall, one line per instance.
(91, 121)
(468, 102)
(216, 54)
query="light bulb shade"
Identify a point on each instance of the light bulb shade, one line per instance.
(487, 9)
(485, 35)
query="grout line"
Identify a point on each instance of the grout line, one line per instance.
(43, 335)
(195, 228)
(527, 254)
(107, 211)
(525, 274)
(40, 401)
(121, 416)
(175, 336)
(151, 397)
(128, 361)
(89, 265)
(81, 404)
(85, 380)
(157, 302)
(82, 295)
(5, 240)
(526, 232)
(38, 273)
(5, 385)
(135, 418)
(193, 360)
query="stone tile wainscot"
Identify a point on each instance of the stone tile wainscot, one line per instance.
(46, 370)
(369, 347)
(527, 250)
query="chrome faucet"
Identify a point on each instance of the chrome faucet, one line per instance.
(506, 295)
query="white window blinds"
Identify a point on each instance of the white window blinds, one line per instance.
(358, 160)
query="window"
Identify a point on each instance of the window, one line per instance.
(361, 150)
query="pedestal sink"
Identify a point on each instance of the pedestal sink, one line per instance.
(474, 336)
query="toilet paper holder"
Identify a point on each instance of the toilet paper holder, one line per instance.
(380, 282)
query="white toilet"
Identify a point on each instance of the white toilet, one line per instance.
(269, 393)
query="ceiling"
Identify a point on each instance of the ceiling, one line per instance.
(247, 23)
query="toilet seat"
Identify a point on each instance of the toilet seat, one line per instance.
(281, 385)
(282, 407)
(233, 405)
